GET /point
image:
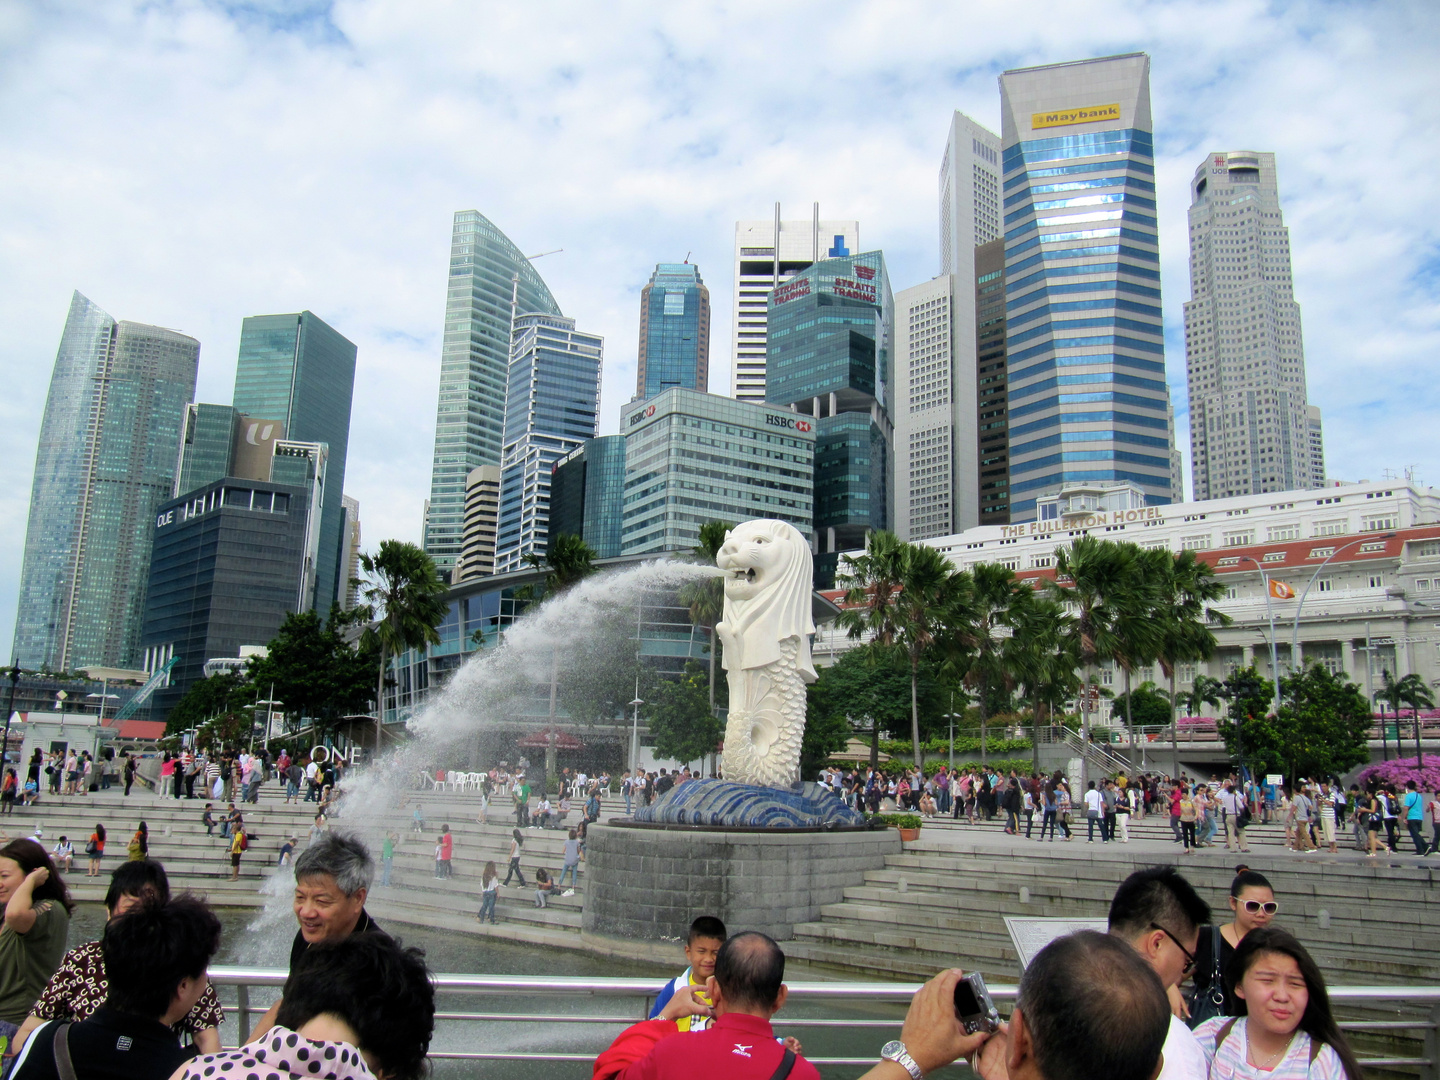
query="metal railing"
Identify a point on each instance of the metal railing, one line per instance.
(639, 994)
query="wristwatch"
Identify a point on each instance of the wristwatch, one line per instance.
(895, 1051)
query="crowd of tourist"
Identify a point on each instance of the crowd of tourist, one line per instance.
(137, 1003)
(1201, 813)
(1090, 1004)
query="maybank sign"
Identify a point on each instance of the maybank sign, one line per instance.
(1087, 114)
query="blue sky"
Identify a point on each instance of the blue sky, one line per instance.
(188, 163)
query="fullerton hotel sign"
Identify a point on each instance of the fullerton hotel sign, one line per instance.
(1091, 520)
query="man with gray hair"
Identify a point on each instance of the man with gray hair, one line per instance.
(332, 880)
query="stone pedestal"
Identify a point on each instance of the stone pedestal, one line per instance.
(652, 882)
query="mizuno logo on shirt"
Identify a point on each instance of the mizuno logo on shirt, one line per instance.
(743, 1051)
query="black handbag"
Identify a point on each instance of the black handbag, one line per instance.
(1209, 1002)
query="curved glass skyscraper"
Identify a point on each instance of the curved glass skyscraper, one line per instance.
(106, 460)
(474, 366)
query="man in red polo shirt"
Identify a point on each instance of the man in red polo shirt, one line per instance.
(746, 990)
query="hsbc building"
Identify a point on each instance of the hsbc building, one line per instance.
(692, 457)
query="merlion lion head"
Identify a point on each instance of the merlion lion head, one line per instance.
(768, 579)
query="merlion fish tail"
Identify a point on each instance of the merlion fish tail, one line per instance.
(763, 734)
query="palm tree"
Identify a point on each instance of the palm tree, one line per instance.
(1389, 692)
(904, 595)
(1412, 691)
(1138, 624)
(706, 598)
(404, 599)
(1046, 663)
(567, 561)
(1187, 586)
(1101, 577)
(987, 634)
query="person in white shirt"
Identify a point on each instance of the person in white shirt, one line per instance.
(1094, 808)
(1160, 914)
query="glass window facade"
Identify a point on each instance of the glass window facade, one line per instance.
(474, 366)
(205, 447)
(1043, 250)
(228, 566)
(300, 371)
(551, 407)
(692, 458)
(674, 331)
(831, 330)
(109, 441)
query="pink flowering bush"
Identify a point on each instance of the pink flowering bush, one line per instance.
(1401, 770)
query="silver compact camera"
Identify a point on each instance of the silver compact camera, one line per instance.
(973, 1005)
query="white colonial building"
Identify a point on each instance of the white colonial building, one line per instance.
(1361, 562)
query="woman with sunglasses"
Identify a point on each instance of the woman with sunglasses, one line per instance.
(1253, 901)
(1284, 1029)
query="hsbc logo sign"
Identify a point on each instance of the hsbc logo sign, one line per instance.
(643, 414)
(792, 422)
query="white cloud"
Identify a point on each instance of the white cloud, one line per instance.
(191, 163)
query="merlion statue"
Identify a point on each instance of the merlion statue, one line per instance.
(766, 632)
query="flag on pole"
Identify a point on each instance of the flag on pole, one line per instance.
(1280, 590)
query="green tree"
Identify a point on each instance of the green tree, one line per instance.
(1098, 579)
(314, 670)
(867, 687)
(705, 598)
(1323, 725)
(1251, 733)
(207, 699)
(983, 629)
(678, 714)
(405, 601)
(1188, 588)
(1145, 706)
(1139, 623)
(1412, 690)
(1047, 661)
(905, 595)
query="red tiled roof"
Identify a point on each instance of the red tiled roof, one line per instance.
(1297, 552)
(142, 729)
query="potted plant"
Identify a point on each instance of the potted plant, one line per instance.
(908, 824)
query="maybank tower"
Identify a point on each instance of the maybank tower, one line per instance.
(1088, 401)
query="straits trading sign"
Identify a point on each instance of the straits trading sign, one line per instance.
(1086, 114)
(1085, 521)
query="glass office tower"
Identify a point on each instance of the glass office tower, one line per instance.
(552, 405)
(587, 493)
(831, 331)
(109, 441)
(298, 370)
(1085, 342)
(474, 365)
(674, 331)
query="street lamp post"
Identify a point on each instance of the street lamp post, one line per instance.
(635, 730)
(269, 703)
(14, 674)
(1274, 650)
(1295, 632)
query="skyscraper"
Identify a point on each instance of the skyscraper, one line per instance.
(674, 331)
(1251, 428)
(760, 265)
(831, 334)
(486, 271)
(108, 446)
(587, 494)
(692, 458)
(992, 384)
(937, 463)
(350, 553)
(298, 370)
(482, 514)
(552, 406)
(1086, 348)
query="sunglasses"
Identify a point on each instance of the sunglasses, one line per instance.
(1189, 956)
(1254, 907)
